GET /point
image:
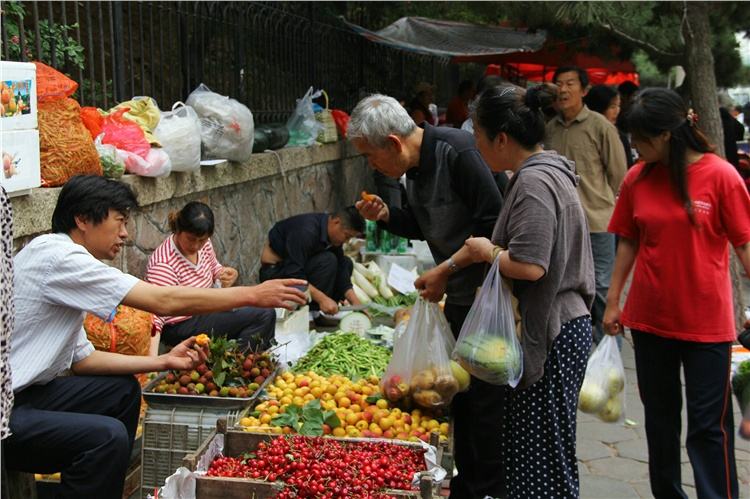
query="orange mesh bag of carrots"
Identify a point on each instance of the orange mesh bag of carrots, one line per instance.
(66, 148)
(52, 84)
(128, 333)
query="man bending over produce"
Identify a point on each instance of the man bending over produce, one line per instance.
(76, 409)
(308, 246)
(450, 196)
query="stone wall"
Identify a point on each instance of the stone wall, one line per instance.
(246, 199)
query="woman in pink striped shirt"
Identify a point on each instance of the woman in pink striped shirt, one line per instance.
(187, 258)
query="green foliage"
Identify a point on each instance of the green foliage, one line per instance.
(307, 420)
(650, 74)
(66, 48)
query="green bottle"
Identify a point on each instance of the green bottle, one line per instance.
(371, 235)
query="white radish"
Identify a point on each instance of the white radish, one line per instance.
(364, 271)
(361, 295)
(375, 269)
(363, 283)
(383, 288)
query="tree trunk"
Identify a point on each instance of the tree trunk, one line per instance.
(700, 68)
(696, 30)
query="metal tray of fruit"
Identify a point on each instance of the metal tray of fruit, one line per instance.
(155, 399)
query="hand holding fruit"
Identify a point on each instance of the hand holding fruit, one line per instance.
(372, 207)
(184, 356)
(277, 293)
(432, 284)
(480, 249)
(228, 276)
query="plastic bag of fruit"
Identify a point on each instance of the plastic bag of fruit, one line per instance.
(603, 389)
(488, 345)
(420, 370)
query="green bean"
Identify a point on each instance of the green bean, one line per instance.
(346, 354)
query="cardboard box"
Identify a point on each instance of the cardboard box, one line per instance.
(20, 156)
(17, 96)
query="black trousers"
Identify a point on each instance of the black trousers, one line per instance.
(324, 271)
(250, 326)
(710, 431)
(82, 426)
(477, 426)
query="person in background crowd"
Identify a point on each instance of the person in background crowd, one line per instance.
(419, 107)
(593, 143)
(6, 309)
(458, 108)
(488, 81)
(76, 409)
(678, 209)
(542, 241)
(627, 90)
(606, 101)
(738, 114)
(308, 246)
(734, 131)
(450, 196)
(187, 258)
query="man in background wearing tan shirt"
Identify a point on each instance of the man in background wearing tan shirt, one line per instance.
(592, 142)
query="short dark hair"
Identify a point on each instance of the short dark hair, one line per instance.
(351, 219)
(627, 88)
(599, 97)
(91, 197)
(515, 111)
(195, 218)
(583, 76)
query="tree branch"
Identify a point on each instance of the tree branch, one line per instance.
(640, 43)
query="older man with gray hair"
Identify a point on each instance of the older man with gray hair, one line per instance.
(450, 196)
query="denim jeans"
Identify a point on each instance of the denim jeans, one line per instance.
(603, 249)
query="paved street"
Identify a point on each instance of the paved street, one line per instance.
(613, 458)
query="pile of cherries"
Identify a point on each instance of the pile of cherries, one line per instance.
(318, 467)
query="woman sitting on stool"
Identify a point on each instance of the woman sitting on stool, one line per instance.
(187, 258)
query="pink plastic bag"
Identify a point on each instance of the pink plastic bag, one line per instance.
(124, 134)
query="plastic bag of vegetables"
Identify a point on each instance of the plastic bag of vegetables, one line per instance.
(488, 347)
(603, 389)
(420, 370)
(112, 165)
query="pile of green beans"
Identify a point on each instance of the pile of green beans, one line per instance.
(346, 354)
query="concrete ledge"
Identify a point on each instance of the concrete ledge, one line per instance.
(33, 213)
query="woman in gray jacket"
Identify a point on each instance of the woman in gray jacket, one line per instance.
(542, 239)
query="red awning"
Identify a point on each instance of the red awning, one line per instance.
(541, 65)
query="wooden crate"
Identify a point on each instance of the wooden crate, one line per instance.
(238, 442)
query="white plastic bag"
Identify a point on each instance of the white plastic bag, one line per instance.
(420, 369)
(302, 124)
(488, 346)
(156, 163)
(603, 389)
(179, 132)
(112, 165)
(227, 126)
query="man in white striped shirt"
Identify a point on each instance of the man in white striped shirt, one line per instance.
(84, 424)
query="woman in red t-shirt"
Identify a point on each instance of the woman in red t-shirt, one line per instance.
(676, 211)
